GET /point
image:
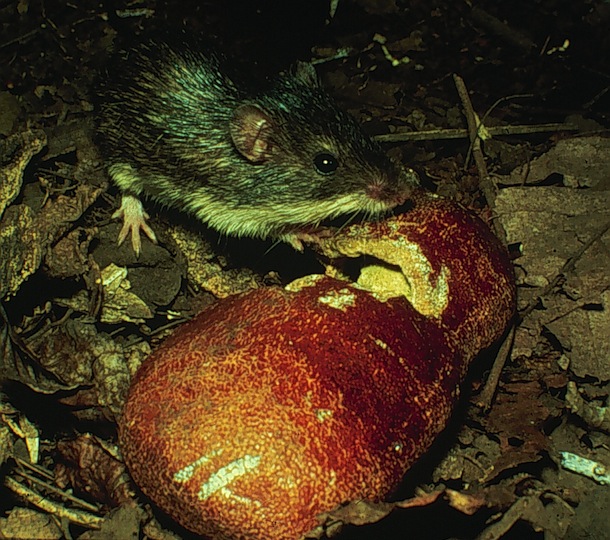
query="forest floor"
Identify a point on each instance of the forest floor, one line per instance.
(527, 454)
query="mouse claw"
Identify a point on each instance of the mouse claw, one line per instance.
(292, 239)
(311, 235)
(134, 220)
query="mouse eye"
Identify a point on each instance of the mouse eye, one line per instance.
(326, 163)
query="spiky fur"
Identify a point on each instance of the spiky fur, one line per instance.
(164, 130)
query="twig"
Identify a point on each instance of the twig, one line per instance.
(50, 487)
(38, 469)
(20, 39)
(75, 516)
(489, 390)
(499, 528)
(502, 30)
(496, 131)
(489, 191)
(487, 186)
(502, 100)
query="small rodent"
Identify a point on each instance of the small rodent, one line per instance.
(175, 128)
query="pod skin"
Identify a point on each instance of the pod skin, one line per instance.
(277, 405)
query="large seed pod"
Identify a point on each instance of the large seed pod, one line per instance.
(277, 405)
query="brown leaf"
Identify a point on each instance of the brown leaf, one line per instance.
(517, 417)
(68, 257)
(123, 522)
(25, 235)
(78, 355)
(27, 523)
(89, 466)
(552, 224)
(580, 160)
(15, 153)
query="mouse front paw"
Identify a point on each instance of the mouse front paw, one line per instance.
(308, 235)
(134, 219)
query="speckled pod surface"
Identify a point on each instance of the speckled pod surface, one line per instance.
(275, 406)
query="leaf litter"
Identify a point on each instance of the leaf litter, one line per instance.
(79, 315)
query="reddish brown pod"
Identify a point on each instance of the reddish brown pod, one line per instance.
(277, 405)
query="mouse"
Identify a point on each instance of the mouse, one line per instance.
(271, 162)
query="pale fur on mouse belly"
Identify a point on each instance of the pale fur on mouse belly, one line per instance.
(250, 221)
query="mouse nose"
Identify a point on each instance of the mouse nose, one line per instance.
(393, 190)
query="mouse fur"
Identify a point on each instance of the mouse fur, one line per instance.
(173, 127)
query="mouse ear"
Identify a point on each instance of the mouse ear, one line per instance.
(305, 72)
(251, 129)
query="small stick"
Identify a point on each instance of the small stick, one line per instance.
(51, 507)
(502, 30)
(487, 186)
(496, 131)
(20, 39)
(40, 470)
(489, 390)
(489, 191)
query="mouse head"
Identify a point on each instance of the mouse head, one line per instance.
(311, 156)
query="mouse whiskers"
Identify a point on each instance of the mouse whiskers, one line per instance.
(351, 219)
(272, 247)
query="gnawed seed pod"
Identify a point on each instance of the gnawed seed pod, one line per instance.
(275, 406)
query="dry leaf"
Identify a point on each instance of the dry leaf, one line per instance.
(92, 469)
(15, 153)
(552, 225)
(24, 523)
(583, 162)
